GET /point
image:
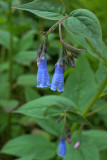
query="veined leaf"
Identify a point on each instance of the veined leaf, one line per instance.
(97, 137)
(38, 108)
(84, 23)
(49, 9)
(51, 106)
(81, 86)
(84, 152)
(30, 145)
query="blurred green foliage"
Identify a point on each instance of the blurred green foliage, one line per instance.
(34, 137)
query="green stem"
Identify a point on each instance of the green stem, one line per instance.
(96, 110)
(96, 96)
(2, 54)
(61, 54)
(10, 47)
(54, 26)
(76, 125)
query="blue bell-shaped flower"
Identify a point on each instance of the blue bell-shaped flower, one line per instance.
(58, 79)
(62, 147)
(42, 75)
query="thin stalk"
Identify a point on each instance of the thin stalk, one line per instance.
(69, 47)
(104, 83)
(96, 110)
(53, 27)
(96, 96)
(61, 54)
(10, 47)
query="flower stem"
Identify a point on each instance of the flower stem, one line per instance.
(54, 26)
(67, 46)
(61, 54)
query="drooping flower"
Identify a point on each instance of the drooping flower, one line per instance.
(42, 75)
(62, 147)
(77, 144)
(58, 79)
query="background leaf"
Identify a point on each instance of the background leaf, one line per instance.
(30, 145)
(53, 10)
(97, 137)
(84, 152)
(27, 80)
(25, 57)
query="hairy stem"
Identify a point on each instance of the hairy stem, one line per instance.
(54, 26)
(69, 47)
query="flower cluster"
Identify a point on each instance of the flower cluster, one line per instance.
(62, 150)
(43, 79)
(43, 75)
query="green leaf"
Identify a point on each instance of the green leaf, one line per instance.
(28, 157)
(5, 39)
(102, 106)
(51, 126)
(81, 86)
(27, 41)
(97, 137)
(9, 105)
(27, 80)
(25, 57)
(104, 48)
(101, 74)
(91, 142)
(30, 145)
(4, 66)
(4, 90)
(30, 94)
(38, 108)
(84, 152)
(79, 40)
(53, 10)
(84, 23)
(51, 106)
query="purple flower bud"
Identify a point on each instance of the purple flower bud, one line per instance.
(77, 144)
(58, 79)
(69, 140)
(58, 120)
(42, 75)
(72, 63)
(38, 54)
(62, 147)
